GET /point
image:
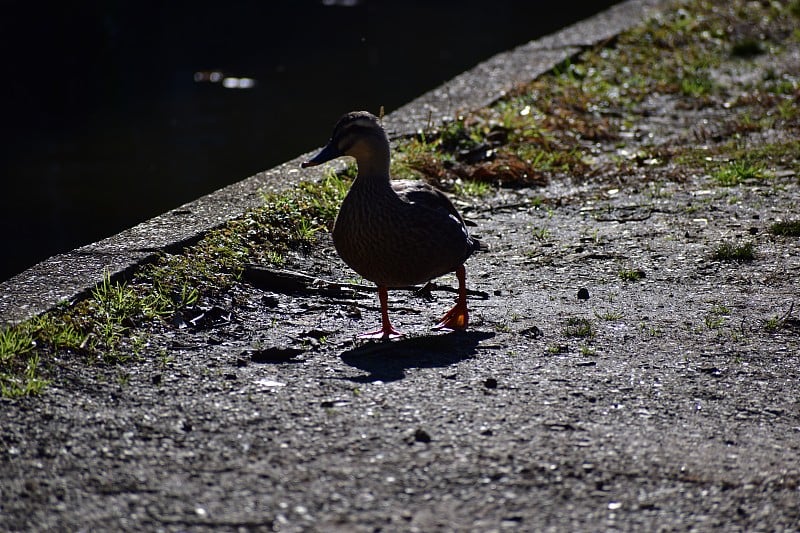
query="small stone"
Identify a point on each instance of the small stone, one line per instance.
(353, 312)
(330, 404)
(490, 383)
(275, 354)
(316, 333)
(269, 300)
(420, 435)
(532, 331)
(583, 293)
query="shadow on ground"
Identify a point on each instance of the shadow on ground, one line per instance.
(388, 361)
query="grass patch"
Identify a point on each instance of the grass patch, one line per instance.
(472, 188)
(555, 349)
(630, 274)
(786, 228)
(729, 251)
(419, 158)
(716, 318)
(579, 327)
(794, 8)
(540, 234)
(544, 128)
(773, 324)
(744, 160)
(737, 171)
(696, 85)
(105, 327)
(19, 364)
(608, 315)
(459, 136)
(519, 141)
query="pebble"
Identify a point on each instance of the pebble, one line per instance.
(420, 435)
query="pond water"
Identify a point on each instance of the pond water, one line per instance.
(118, 111)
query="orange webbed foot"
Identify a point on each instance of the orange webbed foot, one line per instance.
(386, 331)
(456, 318)
(383, 333)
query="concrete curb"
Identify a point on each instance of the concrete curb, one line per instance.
(70, 276)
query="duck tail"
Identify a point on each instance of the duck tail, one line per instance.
(478, 246)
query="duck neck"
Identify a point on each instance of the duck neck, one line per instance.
(373, 161)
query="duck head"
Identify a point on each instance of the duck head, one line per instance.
(357, 134)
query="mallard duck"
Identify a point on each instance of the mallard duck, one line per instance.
(395, 233)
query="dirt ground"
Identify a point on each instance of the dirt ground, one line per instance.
(665, 402)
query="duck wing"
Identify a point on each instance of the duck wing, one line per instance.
(419, 192)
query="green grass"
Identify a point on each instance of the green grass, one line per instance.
(737, 171)
(608, 315)
(786, 228)
(472, 188)
(14, 342)
(419, 157)
(19, 364)
(631, 274)
(650, 331)
(720, 310)
(696, 85)
(555, 349)
(110, 325)
(541, 129)
(540, 234)
(788, 110)
(775, 323)
(730, 251)
(745, 161)
(579, 327)
(714, 321)
(457, 135)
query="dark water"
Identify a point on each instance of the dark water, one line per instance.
(110, 117)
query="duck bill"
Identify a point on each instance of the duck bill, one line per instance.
(326, 154)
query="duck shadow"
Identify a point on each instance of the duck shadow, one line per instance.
(388, 361)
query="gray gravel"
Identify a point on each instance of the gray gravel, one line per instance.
(661, 420)
(680, 411)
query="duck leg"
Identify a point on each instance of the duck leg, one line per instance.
(458, 316)
(387, 331)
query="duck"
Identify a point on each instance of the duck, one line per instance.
(392, 232)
